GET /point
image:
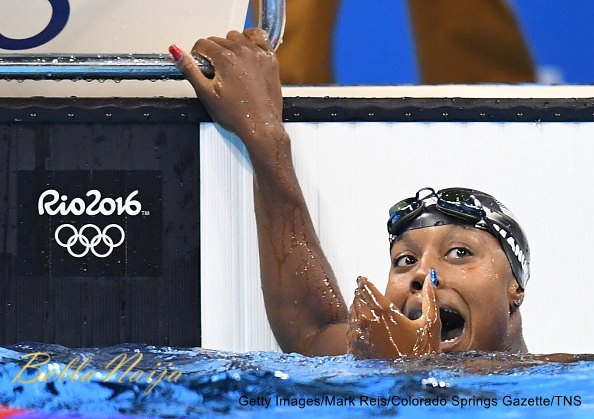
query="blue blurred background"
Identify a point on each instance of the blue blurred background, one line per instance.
(374, 44)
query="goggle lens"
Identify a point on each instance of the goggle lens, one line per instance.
(404, 206)
(401, 211)
(462, 202)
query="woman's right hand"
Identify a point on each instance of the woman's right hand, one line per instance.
(377, 329)
(245, 94)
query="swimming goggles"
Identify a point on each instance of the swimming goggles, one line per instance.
(476, 208)
(458, 202)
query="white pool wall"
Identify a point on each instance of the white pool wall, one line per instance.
(352, 172)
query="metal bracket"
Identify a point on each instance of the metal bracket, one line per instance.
(124, 66)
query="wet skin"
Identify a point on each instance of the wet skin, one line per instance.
(475, 281)
(304, 305)
(473, 300)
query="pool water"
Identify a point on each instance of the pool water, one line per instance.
(170, 382)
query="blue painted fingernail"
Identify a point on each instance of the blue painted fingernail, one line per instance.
(433, 276)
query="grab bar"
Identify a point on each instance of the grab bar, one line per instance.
(124, 66)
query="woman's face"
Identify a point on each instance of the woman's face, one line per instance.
(475, 280)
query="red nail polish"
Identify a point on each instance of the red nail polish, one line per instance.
(176, 53)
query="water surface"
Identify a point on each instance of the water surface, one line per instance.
(203, 383)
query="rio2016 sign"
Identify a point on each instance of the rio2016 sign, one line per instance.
(60, 14)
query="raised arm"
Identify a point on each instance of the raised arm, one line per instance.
(305, 308)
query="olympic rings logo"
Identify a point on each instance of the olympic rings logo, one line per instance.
(100, 236)
(60, 14)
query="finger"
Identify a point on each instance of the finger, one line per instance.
(430, 305)
(355, 328)
(210, 50)
(357, 333)
(187, 65)
(223, 42)
(358, 342)
(259, 37)
(236, 37)
(353, 315)
(372, 296)
(362, 310)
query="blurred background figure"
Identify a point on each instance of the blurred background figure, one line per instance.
(305, 55)
(469, 41)
(457, 41)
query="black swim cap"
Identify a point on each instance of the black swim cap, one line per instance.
(497, 220)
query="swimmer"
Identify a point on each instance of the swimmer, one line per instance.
(455, 282)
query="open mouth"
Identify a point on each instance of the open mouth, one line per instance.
(452, 323)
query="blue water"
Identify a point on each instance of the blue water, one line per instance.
(216, 384)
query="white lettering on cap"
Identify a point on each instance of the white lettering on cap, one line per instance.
(514, 246)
